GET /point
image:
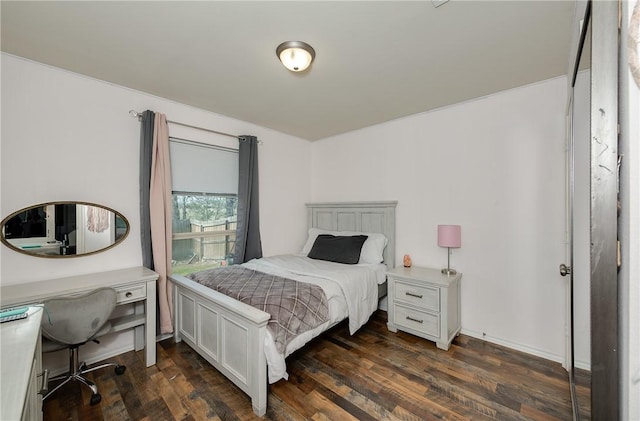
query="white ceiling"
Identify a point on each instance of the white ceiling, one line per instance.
(375, 60)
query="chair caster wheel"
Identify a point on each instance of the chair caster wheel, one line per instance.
(120, 369)
(95, 399)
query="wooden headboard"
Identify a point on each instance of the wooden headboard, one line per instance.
(378, 217)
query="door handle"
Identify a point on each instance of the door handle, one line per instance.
(565, 270)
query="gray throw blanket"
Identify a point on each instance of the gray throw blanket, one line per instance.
(295, 307)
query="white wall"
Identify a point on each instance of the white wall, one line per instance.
(68, 137)
(494, 165)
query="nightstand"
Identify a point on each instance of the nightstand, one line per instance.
(425, 303)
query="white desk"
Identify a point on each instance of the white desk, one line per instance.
(135, 286)
(21, 364)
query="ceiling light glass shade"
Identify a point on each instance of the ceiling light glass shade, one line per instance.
(295, 55)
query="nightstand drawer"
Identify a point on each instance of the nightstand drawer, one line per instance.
(425, 297)
(426, 323)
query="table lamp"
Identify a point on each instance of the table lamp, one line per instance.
(449, 236)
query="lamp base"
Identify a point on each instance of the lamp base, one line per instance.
(448, 272)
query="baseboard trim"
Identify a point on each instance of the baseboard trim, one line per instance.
(164, 336)
(516, 346)
(533, 351)
(582, 365)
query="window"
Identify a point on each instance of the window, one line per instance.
(205, 204)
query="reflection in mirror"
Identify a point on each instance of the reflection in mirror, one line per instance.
(63, 229)
(580, 223)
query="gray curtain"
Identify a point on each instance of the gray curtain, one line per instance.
(248, 243)
(146, 152)
(146, 145)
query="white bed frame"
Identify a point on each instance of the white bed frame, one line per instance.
(230, 334)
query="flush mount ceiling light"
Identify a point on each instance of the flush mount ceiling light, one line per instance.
(295, 55)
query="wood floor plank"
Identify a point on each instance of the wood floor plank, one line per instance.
(373, 375)
(279, 410)
(312, 371)
(168, 395)
(367, 404)
(295, 397)
(481, 379)
(127, 390)
(530, 412)
(140, 377)
(439, 386)
(327, 409)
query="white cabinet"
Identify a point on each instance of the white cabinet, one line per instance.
(424, 302)
(21, 368)
(33, 401)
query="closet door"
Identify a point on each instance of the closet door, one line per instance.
(594, 361)
(605, 345)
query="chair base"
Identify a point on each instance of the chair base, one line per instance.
(76, 371)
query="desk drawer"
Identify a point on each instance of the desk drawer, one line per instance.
(131, 293)
(425, 297)
(425, 323)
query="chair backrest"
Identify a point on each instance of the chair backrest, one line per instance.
(75, 320)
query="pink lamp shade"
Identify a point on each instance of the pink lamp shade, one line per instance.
(449, 236)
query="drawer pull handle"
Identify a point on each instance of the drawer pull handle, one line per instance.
(414, 320)
(45, 382)
(411, 294)
(128, 294)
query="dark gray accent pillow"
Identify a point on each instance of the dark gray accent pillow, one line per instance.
(338, 249)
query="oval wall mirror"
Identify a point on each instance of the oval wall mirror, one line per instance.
(63, 229)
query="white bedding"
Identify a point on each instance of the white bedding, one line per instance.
(351, 290)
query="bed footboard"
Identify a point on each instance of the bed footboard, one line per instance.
(227, 333)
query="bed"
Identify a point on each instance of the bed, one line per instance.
(233, 336)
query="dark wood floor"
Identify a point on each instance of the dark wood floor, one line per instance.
(372, 375)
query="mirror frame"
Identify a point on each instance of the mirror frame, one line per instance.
(58, 256)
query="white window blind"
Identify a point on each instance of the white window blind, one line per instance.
(203, 169)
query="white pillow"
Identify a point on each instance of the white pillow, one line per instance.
(372, 249)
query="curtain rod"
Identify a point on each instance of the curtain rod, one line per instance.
(134, 113)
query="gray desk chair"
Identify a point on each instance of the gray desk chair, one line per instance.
(69, 322)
